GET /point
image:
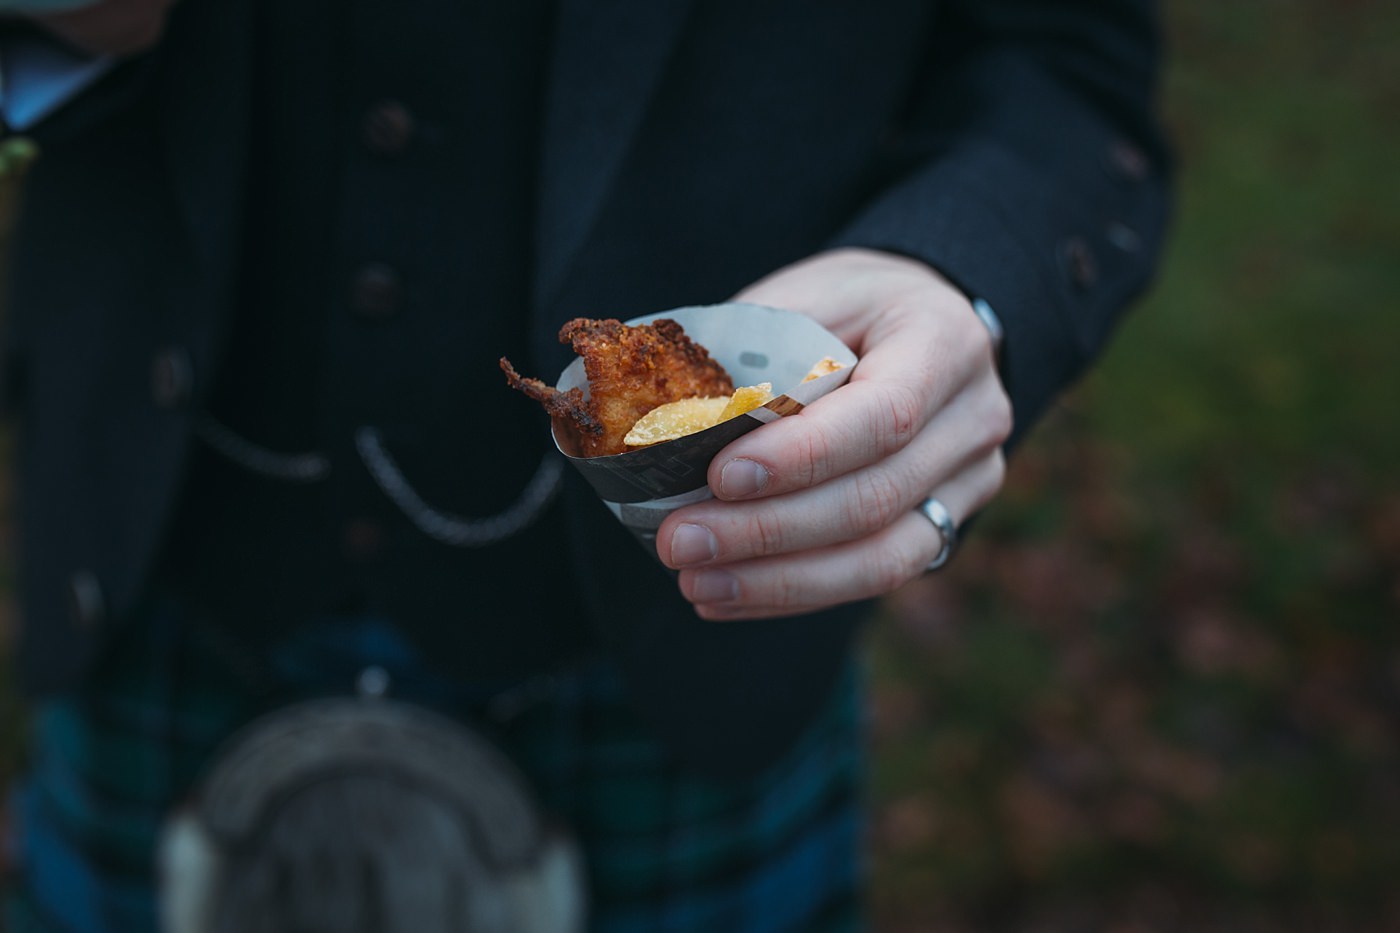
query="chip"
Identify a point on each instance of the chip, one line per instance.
(675, 419)
(746, 399)
(823, 367)
(690, 415)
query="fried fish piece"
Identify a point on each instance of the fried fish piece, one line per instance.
(569, 408)
(631, 370)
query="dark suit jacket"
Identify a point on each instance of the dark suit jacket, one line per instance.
(689, 148)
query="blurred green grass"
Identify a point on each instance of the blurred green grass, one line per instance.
(1160, 688)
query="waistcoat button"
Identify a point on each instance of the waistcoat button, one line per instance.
(86, 607)
(172, 377)
(387, 128)
(362, 539)
(375, 292)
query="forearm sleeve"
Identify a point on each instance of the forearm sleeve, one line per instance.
(1034, 176)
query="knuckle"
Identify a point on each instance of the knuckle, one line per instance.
(910, 562)
(785, 591)
(887, 569)
(810, 454)
(901, 406)
(973, 335)
(764, 534)
(989, 477)
(1000, 419)
(877, 501)
(998, 470)
(978, 337)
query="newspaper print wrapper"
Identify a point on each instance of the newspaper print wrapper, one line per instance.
(755, 344)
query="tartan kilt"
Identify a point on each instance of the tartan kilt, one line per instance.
(665, 850)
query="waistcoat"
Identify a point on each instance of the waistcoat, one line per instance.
(385, 269)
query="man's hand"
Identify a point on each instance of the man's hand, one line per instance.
(818, 508)
(109, 27)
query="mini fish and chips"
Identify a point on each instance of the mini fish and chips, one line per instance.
(760, 348)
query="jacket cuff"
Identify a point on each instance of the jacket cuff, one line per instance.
(1057, 273)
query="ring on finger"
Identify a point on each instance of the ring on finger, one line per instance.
(942, 519)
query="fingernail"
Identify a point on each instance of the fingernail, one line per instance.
(715, 586)
(741, 478)
(692, 544)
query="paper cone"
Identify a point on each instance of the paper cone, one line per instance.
(755, 344)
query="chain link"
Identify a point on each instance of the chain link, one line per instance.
(452, 529)
(441, 526)
(291, 468)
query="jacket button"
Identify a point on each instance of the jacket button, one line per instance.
(362, 539)
(1128, 161)
(1124, 237)
(86, 607)
(387, 128)
(375, 291)
(1080, 263)
(172, 378)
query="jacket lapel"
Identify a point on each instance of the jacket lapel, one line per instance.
(608, 57)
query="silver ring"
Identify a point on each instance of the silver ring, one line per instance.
(937, 513)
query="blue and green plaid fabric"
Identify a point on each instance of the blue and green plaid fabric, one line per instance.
(666, 850)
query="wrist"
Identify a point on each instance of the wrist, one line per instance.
(984, 312)
(980, 306)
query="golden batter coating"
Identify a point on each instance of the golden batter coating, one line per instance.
(631, 370)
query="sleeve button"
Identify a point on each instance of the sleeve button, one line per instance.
(1124, 237)
(1128, 161)
(1080, 263)
(362, 540)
